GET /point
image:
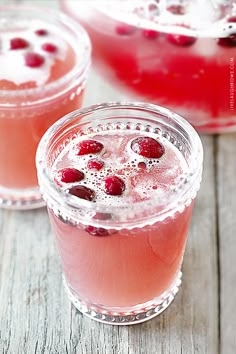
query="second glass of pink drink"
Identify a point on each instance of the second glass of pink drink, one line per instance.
(120, 181)
(44, 62)
(177, 53)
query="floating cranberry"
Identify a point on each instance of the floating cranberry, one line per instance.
(69, 175)
(18, 43)
(147, 147)
(88, 147)
(49, 47)
(181, 40)
(114, 185)
(95, 164)
(228, 41)
(150, 34)
(176, 9)
(82, 192)
(96, 231)
(125, 29)
(232, 19)
(34, 60)
(41, 32)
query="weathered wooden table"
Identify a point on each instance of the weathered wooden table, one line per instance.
(37, 317)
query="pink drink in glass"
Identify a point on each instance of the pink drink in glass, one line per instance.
(119, 181)
(178, 54)
(44, 60)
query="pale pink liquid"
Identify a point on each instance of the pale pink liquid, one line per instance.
(126, 267)
(21, 127)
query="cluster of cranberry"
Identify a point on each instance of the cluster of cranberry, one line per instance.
(113, 185)
(32, 59)
(177, 39)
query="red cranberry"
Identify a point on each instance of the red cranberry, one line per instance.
(82, 192)
(88, 147)
(69, 175)
(229, 41)
(49, 47)
(150, 34)
(41, 32)
(147, 147)
(96, 231)
(95, 164)
(125, 29)
(114, 185)
(18, 43)
(34, 60)
(181, 40)
(176, 9)
(232, 19)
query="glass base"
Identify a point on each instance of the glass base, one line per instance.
(21, 199)
(138, 314)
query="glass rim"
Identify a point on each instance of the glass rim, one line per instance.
(54, 193)
(79, 68)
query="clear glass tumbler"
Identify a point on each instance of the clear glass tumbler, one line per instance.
(44, 61)
(120, 180)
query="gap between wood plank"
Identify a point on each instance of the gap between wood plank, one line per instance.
(216, 166)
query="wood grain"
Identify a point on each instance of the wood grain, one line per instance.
(226, 188)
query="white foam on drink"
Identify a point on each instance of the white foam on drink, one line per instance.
(12, 62)
(160, 177)
(202, 18)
